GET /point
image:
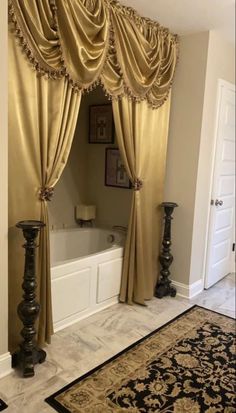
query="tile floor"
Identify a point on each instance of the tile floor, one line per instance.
(81, 347)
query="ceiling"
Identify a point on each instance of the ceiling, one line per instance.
(190, 16)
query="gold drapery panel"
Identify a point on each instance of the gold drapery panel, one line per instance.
(90, 41)
(142, 137)
(73, 45)
(42, 119)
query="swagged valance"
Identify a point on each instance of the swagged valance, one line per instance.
(97, 41)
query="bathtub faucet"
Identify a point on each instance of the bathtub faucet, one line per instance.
(120, 228)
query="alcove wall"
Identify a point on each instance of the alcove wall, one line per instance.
(83, 179)
(190, 149)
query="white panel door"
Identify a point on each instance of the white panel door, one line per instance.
(222, 216)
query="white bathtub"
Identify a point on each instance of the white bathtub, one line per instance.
(86, 266)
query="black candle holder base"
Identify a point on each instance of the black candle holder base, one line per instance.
(163, 286)
(163, 289)
(26, 360)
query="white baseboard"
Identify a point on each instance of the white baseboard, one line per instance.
(5, 364)
(188, 291)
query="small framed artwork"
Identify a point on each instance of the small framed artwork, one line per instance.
(101, 124)
(115, 173)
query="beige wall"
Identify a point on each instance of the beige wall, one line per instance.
(183, 146)
(83, 178)
(220, 65)
(113, 204)
(204, 58)
(4, 364)
(72, 186)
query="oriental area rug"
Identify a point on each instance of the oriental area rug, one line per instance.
(186, 366)
(3, 405)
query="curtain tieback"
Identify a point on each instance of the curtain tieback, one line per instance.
(46, 194)
(138, 184)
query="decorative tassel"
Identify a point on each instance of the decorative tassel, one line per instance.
(138, 184)
(46, 193)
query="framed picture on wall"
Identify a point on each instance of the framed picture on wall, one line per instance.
(101, 124)
(115, 173)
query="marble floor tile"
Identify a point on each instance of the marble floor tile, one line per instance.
(32, 401)
(14, 385)
(220, 297)
(81, 347)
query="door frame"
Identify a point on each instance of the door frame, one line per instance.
(221, 84)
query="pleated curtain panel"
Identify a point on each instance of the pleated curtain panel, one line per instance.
(58, 49)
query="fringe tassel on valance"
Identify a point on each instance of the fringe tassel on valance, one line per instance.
(114, 56)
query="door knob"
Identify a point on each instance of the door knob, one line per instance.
(218, 202)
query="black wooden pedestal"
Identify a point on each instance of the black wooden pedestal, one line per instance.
(29, 354)
(164, 286)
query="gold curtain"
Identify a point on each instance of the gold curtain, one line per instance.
(142, 137)
(42, 120)
(90, 41)
(73, 45)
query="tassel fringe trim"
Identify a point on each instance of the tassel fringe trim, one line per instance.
(110, 49)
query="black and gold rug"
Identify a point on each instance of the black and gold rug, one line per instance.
(186, 366)
(3, 405)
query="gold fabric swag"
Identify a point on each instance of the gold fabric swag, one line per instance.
(91, 41)
(73, 45)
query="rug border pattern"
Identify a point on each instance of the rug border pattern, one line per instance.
(61, 409)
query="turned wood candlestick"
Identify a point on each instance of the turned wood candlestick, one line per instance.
(164, 286)
(28, 354)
